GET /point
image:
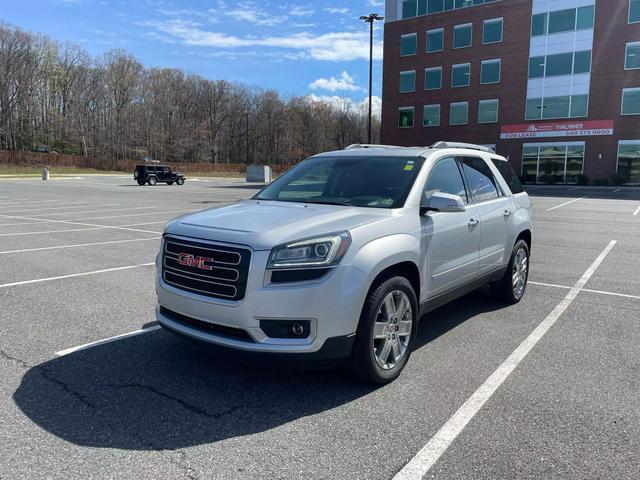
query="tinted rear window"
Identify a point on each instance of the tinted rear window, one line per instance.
(509, 175)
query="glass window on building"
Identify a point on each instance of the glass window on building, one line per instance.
(408, 81)
(634, 11)
(422, 7)
(556, 107)
(435, 40)
(629, 160)
(530, 164)
(552, 162)
(562, 21)
(462, 36)
(406, 117)
(582, 62)
(433, 78)
(631, 101)
(490, 71)
(539, 24)
(408, 44)
(461, 75)
(459, 113)
(579, 106)
(431, 116)
(488, 111)
(632, 60)
(534, 109)
(584, 18)
(559, 64)
(536, 67)
(409, 8)
(492, 31)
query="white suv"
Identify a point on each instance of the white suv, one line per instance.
(339, 257)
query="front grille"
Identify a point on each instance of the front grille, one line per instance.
(210, 270)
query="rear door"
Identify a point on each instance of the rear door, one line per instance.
(451, 240)
(495, 209)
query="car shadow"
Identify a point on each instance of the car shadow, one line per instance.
(157, 392)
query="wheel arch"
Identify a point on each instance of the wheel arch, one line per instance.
(525, 235)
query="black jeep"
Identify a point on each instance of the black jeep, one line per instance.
(153, 174)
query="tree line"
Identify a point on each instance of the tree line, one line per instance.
(54, 96)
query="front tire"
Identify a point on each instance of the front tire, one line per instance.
(513, 285)
(180, 181)
(386, 332)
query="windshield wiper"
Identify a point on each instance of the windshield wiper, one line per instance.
(328, 202)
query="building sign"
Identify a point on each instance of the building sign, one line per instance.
(589, 128)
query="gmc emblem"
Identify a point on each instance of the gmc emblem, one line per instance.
(201, 263)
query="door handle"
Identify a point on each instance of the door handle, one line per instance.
(473, 222)
(507, 213)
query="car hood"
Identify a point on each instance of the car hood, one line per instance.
(265, 224)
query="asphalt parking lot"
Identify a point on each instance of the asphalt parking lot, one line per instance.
(549, 388)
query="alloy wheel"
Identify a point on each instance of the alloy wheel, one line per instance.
(392, 330)
(519, 273)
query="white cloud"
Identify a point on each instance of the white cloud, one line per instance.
(375, 3)
(301, 11)
(346, 103)
(344, 82)
(335, 46)
(337, 10)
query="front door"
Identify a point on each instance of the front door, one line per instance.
(451, 240)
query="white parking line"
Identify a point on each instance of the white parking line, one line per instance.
(68, 206)
(96, 211)
(74, 275)
(45, 232)
(62, 353)
(433, 450)
(72, 222)
(636, 212)
(60, 247)
(564, 204)
(588, 290)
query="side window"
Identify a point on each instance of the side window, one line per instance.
(509, 176)
(445, 177)
(481, 182)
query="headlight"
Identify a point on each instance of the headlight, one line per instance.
(323, 251)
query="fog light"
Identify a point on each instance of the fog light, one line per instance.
(286, 328)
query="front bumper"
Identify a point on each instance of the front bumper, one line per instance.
(331, 304)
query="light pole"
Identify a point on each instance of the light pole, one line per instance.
(370, 19)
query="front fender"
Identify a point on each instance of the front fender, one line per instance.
(382, 253)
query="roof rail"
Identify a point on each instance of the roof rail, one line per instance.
(368, 145)
(470, 146)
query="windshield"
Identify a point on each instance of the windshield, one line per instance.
(377, 182)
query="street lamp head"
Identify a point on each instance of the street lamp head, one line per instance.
(372, 17)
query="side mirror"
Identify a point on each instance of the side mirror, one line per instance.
(442, 202)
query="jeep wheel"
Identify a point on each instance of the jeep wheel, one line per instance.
(514, 283)
(140, 182)
(180, 181)
(153, 181)
(386, 332)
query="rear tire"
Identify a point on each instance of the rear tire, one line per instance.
(153, 181)
(513, 285)
(386, 332)
(140, 182)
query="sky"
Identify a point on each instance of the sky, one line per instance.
(298, 47)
